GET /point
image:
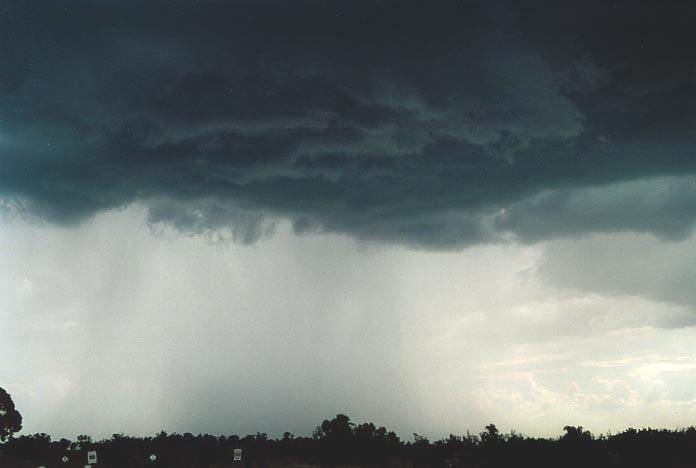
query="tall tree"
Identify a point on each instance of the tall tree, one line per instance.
(10, 419)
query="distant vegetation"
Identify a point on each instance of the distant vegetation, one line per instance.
(339, 442)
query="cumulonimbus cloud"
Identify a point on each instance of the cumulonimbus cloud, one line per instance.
(436, 126)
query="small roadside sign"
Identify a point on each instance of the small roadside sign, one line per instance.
(237, 454)
(91, 457)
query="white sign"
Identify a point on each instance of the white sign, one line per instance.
(153, 457)
(88, 466)
(65, 458)
(91, 457)
(237, 454)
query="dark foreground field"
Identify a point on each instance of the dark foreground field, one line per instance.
(341, 443)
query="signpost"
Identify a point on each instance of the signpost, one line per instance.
(91, 457)
(237, 454)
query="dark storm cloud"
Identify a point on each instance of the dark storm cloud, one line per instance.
(427, 123)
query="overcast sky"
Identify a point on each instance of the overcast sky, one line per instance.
(240, 216)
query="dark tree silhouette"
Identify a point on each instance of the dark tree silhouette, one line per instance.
(491, 437)
(575, 434)
(341, 443)
(10, 419)
(339, 428)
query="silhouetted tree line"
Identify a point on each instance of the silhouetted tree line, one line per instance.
(340, 442)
